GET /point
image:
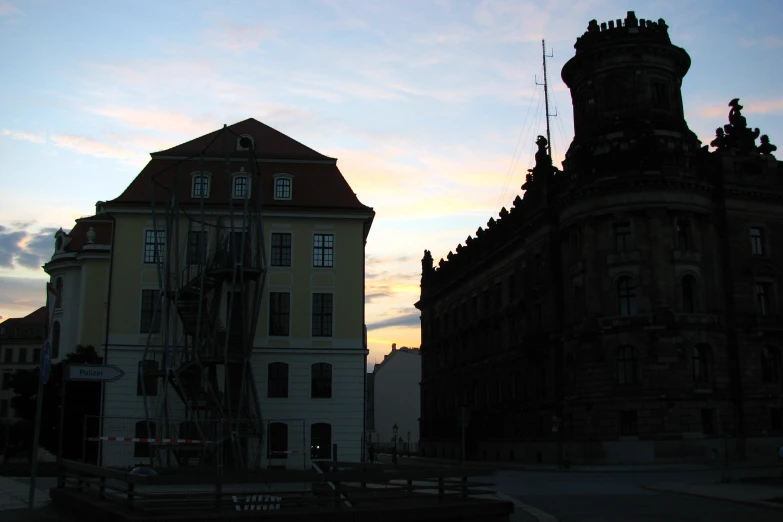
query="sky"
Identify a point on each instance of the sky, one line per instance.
(431, 107)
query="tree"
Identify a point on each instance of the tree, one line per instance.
(81, 399)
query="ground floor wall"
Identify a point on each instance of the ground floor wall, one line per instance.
(308, 422)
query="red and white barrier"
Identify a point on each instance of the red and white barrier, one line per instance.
(152, 441)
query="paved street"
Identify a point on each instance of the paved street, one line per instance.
(620, 497)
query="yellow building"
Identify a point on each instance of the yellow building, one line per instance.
(242, 212)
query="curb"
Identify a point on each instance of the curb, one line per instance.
(534, 512)
(757, 503)
(502, 466)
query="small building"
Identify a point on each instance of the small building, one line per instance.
(20, 349)
(397, 397)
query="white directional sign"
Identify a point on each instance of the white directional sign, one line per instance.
(93, 372)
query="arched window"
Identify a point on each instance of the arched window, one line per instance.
(627, 371)
(688, 287)
(277, 380)
(56, 340)
(321, 441)
(142, 449)
(278, 440)
(58, 299)
(626, 296)
(701, 364)
(770, 365)
(321, 381)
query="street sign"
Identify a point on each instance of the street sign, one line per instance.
(93, 372)
(46, 362)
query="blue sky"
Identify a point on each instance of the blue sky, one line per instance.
(431, 107)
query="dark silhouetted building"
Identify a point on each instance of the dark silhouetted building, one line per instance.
(627, 309)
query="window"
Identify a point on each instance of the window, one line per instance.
(701, 364)
(278, 440)
(197, 247)
(688, 294)
(579, 303)
(154, 243)
(683, 234)
(22, 355)
(277, 380)
(757, 241)
(238, 248)
(281, 249)
(282, 188)
(321, 441)
(58, 300)
(56, 340)
(241, 184)
(322, 315)
(776, 419)
(147, 367)
(321, 381)
(6, 380)
(628, 424)
(279, 312)
(707, 421)
(142, 449)
(626, 366)
(201, 186)
(622, 236)
(574, 247)
(150, 321)
(626, 296)
(770, 365)
(37, 355)
(9, 355)
(3, 408)
(764, 298)
(323, 250)
(661, 96)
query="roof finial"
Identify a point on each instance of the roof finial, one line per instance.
(91, 236)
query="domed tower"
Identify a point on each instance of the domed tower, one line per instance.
(625, 84)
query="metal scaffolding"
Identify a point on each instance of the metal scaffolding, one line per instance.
(211, 264)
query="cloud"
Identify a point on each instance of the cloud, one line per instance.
(755, 107)
(769, 42)
(8, 9)
(369, 298)
(239, 38)
(26, 136)
(95, 148)
(19, 247)
(158, 120)
(21, 295)
(407, 320)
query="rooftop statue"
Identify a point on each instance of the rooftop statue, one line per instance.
(766, 148)
(738, 135)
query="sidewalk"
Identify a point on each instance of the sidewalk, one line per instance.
(14, 495)
(618, 468)
(742, 493)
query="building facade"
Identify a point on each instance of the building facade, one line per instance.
(308, 354)
(397, 397)
(627, 308)
(21, 340)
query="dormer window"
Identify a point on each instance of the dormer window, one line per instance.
(241, 186)
(201, 185)
(245, 142)
(283, 187)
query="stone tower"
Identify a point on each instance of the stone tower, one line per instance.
(625, 82)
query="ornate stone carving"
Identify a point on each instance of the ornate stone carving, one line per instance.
(737, 135)
(766, 148)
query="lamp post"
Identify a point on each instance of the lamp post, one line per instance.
(409, 443)
(394, 443)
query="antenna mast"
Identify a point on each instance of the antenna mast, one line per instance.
(546, 99)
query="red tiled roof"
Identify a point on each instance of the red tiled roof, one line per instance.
(39, 317)
(317, 182)
(315, 186)
(100, 223)
(269, 144)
